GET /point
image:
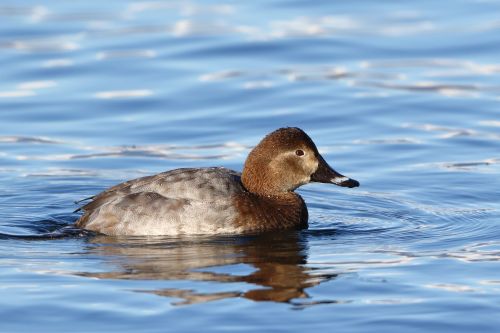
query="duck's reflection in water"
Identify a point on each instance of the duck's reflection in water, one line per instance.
(279, 272)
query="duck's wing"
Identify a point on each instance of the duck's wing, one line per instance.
(164, 193)
(186, 183)
(120, 190)
(149, 213)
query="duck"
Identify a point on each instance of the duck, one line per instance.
(217, 200)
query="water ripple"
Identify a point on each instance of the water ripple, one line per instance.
(401, 96)
(171, 152)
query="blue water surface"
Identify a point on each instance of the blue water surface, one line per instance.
(402, 96)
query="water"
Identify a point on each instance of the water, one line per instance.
(402, 96)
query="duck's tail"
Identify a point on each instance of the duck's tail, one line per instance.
(82, 200)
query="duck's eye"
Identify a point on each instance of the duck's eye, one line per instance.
(299, 152)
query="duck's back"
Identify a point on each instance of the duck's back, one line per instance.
(181, 201)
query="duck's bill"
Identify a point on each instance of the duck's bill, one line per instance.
(344, 181)
(326, 174)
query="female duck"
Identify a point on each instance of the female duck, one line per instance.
(218, 200)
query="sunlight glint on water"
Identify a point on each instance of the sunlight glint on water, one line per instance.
(401, 96)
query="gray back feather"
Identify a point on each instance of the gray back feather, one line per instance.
(161, 202)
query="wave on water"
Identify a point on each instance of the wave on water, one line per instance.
(56, 227)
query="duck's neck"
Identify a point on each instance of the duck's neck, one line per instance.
(259, 181)
(269, 212)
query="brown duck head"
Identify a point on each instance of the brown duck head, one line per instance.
(286, 159)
